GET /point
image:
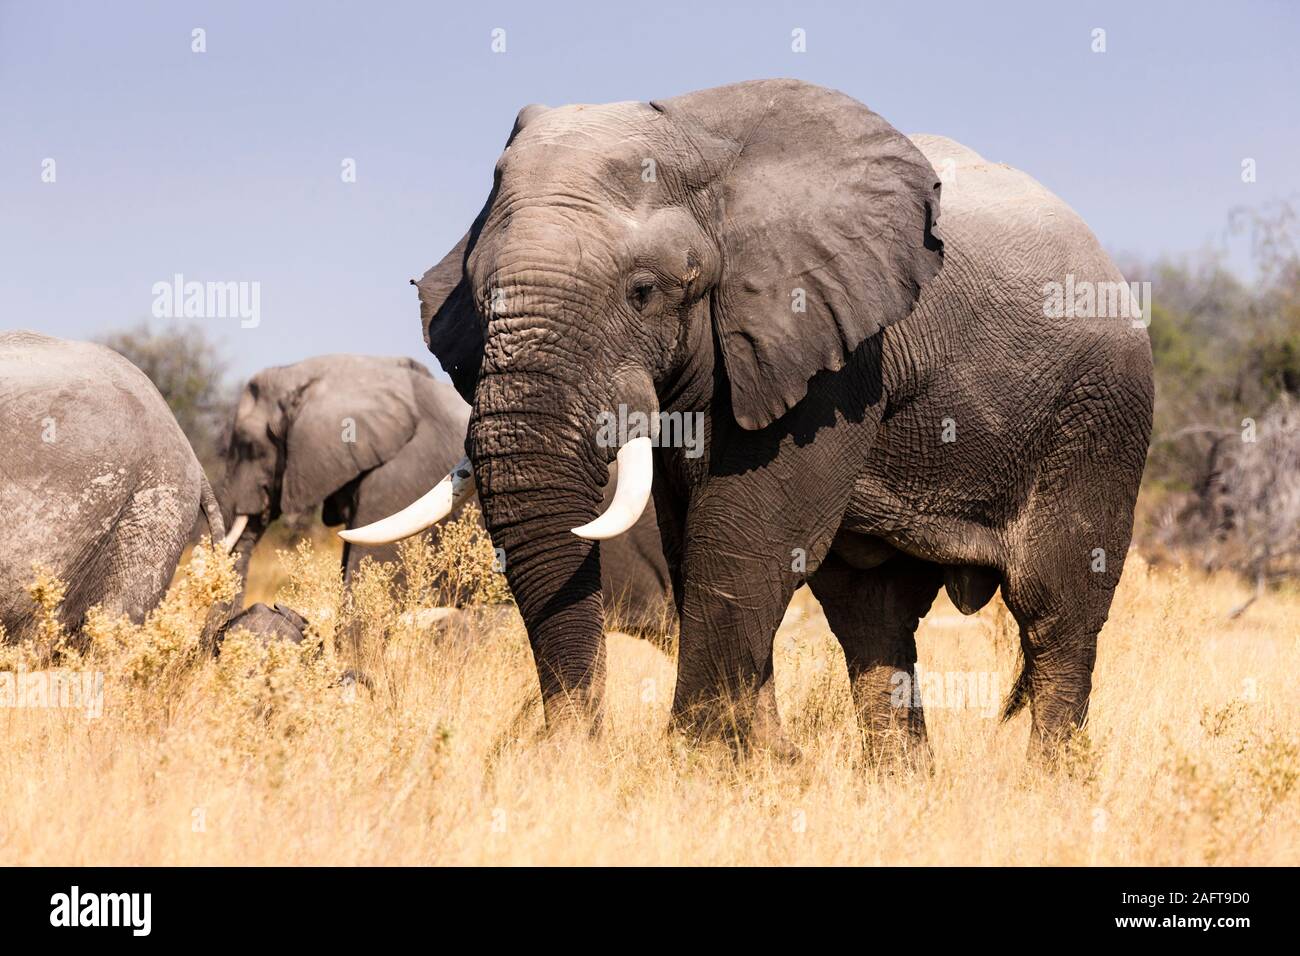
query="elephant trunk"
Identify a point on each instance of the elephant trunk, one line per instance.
(540, 475)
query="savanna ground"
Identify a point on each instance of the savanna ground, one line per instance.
(1191, 756)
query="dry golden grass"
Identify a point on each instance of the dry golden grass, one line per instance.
(1192, 755)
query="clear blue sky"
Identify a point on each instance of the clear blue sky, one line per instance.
(225, 165)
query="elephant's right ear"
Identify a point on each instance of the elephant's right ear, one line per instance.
(451, 325)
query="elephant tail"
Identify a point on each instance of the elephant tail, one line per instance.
(212, 511)
(1019, 695)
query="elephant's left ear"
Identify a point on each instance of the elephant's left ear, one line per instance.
(339, 433)
(824, 215)
(451, 326)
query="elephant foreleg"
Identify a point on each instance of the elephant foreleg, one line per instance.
(750, 538)
(725, 683)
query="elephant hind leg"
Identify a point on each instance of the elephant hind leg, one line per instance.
(139, 559)
(874, 614)
(1059, 647)
(1058, 585)
(133, 589)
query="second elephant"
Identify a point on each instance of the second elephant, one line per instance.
(362, 436)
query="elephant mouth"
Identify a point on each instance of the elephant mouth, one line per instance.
(252, 511)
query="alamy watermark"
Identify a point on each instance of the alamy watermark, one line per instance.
(133, 911)
(1084, 299)
(53, 689)
(664, 429)
(181, 299)
(948, 690)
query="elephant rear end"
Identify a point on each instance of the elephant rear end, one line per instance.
(101, 486)
(1045, 376)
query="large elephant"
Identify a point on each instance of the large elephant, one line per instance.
(100, 485)
(361, 435)
(891, 402)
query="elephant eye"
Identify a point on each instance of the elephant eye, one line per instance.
(639, 293)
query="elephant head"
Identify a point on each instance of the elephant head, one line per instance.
(303, 433)
(707, 253)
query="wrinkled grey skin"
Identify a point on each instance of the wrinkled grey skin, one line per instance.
(582, 285)
(97, 481)
(287, 453)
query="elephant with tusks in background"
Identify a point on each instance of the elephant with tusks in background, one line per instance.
(891, 403)
(98, 484)
(360, 435)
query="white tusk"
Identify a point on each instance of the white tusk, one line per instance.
(635, 475)
(446, 496)
(236, 529)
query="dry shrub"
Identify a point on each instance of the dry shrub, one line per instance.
(51, 641)
(459, 569)
(314, 588)
(151, 662)
(269, 698)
